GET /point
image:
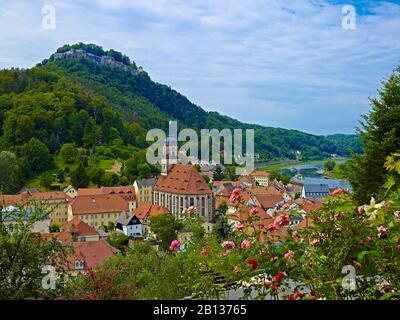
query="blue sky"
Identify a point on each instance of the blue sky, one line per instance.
(280, 63)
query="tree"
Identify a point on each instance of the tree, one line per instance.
(380, 134)
(110, 179)
(46, 180)
(23, 253)
(279, 177)
(54, 143)
(218, 174)
(55, 228)
(79, 177)
(96, 175)
(144, 171)
(230, 173)
(165, 228)
(37, 156)
(110, 226)
(11, 179)
(222, 229)
(330, 165)
(69, 153)
(118, 240)
(60, 176)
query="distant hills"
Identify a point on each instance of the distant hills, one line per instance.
(89, 96)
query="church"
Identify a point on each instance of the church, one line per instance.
(181, 186)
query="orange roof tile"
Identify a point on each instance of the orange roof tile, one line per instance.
(183, 179)
(77, 226)
(269, 201)
(92, 253)
(146, 210)
(260, 173)
(102, 203)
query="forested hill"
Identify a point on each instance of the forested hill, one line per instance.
(88, 96)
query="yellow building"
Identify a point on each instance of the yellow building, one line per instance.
(144, 190)
(98, 210)
(56, 203)
(262, 177)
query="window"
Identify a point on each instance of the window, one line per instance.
(79, 265)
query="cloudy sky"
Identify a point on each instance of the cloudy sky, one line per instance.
(281, 63)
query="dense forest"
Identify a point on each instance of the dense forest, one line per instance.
(84, 113)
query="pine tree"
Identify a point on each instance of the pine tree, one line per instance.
(79, 177)
(380, 134)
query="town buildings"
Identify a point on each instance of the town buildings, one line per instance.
(144, 190)
(183, 187)
(98, 210)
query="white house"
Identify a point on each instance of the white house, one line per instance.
(130, 225)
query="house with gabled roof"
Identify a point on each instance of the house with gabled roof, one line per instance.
(130, 225)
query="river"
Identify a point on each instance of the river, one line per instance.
(311, 173)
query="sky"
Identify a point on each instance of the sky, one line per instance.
(295, 64)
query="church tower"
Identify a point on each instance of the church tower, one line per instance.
(170, 150)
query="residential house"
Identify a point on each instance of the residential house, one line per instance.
(98, 210)
(261, 177)
(10, 214)
(144, 190)
(71, 192)
(77, 231)
(126, 192)
(56, 203)
(146, 211)
(268, 201)
(129, 224)
(88, 255)
(315, 191)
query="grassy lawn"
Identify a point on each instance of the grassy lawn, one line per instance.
(285, 165)
(106, 164)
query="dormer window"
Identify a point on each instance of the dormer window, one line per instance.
(79, 265)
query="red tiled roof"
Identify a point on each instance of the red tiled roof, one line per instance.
(92, 253)
(146, 210)
(103, 203)
(14, 199)
(22, 198)
(243, 213)
(77, 226)
(127, 192)
(183, 179)
(51, 196)
(260, 174)
(269, 201)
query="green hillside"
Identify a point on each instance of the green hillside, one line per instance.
(103, 104)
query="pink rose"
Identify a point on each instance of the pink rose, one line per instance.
(381, 230)
(245, 244)
(228, 245)
(239, 226)
(235, 195)
(316, 241)
(397, 214)
(175, 245)
(253, 211)
(361, 209)
(289, 255)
